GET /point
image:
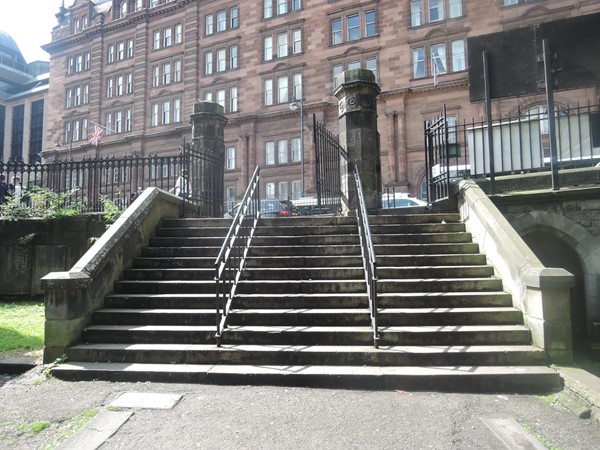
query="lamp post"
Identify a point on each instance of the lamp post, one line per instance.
(294, 107)
(58, 146)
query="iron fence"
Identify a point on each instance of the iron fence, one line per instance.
(328, 155)
(515, 144)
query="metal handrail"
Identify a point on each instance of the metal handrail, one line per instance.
(232, 257)
(368, 256)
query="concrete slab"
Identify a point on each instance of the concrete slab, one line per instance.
(513, 435)
(583, 383)
(146, 400)
(96, 431)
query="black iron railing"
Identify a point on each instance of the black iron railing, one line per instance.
(232, 257)
(515, 143)
(369, 258)
(328, 154)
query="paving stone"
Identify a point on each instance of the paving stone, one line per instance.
(146, 400)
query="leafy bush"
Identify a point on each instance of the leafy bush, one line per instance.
(112, 211)
(40, 203)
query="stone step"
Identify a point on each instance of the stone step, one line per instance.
(354, 249)
(422, 238)
(183, 252)
(175, 222)
(283, 229)
(308, 355)
(389, 300)
(175, 262)
(192, 231)
(310, 335)
(165, 287)
(310, 317)
(393, 228)
(500, 379)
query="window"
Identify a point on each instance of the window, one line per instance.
(86, 94)
(458, 55)
(279, 7)
(130, 48)
(108, 123)
(208, 25)
(353, 27)
(437, 11)
(366, 62)
(336, 31)
(87, 58)
(282, 93)
(225, 19)
(167, 37)
(221, 20)
(156, 40)
(178, 34)
(166, 73)
(177, 110)
(439, 55)
(282, 45)
(166, 112)
(128, 119)
(418, 62)
(270, 153)
(129, 83)
(139, 4)
(69, 97)
(296, 150)
(118, 122)
(270, 190)
(282, 41)
(154, 119)
(296, 189)
(283, 190)
(119, 85)
(297, 45)
(123, 9)
(233, 99)
(230, 198)
(177, 71)
(109, 88)
(221, 97)
(230, 158)
(221, 60)
(208, 65)
(155, 76)
(110, 54)
(233, 57)
(120, 51)
(282, 152)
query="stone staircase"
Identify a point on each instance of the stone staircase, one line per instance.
(301, 314)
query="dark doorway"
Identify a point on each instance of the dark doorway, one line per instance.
(554, 252)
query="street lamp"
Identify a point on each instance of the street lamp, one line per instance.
(294, 107)
(59, 146)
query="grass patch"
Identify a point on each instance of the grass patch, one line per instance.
(34, 427)
(21, 326)
(549, 445)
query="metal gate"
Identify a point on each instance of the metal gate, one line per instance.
(203, 183)
(329, 155)
(437, 158)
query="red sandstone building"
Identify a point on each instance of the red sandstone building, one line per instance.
(136, 67)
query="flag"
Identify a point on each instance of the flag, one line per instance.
(435, 72)
(95, 139)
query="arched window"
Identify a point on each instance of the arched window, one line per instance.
(139, 4)
(123, 9)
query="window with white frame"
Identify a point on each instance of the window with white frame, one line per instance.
(165, 112)
(273, 8)
(282, 152)
(221, 59)
(230, 197)
(269, 153)
(270, 190)
(129, 48)
(110, 53)
(433, 59)
(296, 149)
(276, 89)
(177, 110)
(79, 127)
(433, 11)
(282, 43)
(353, 26)
(296, 189)
(363, 62)
(221, 20)
(230, 165)
(167, 36)
(233, 57)
(77, 95)
(120, 51)
(282, 189)
(225, 94)
(78, 63)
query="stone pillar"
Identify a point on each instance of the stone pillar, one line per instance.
(207, 163)
(357, 97)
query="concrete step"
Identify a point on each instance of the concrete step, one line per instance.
(185, 273)
(175, 262)
(332, 300)
(220, 232)
(307, 355)
(500, 379)
(394, 228)
(426, 249)
(310, 335)
(423, 238)
(182, 252)
(185, 222)
(155, 316)
(165, 287)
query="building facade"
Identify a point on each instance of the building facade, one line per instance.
(136, 68)
(23, 91)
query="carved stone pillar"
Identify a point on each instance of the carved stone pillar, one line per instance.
(357, 97)
(207, 159)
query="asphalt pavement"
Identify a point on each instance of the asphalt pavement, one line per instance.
(39, 411)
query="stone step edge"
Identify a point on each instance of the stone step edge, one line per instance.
(506, 379)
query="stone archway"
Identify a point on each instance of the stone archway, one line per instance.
(560, 242)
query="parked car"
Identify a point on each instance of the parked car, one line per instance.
(400, 200)
(268, 208)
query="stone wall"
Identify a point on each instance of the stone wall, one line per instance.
(31, 248)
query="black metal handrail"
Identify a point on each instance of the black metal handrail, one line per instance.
(368, 256)
(232, 257)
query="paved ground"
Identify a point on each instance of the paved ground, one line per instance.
(250, 417)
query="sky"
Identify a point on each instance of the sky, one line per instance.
(29, 23)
